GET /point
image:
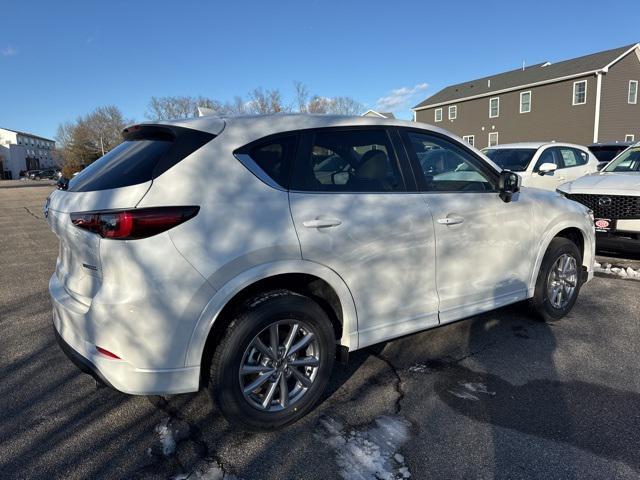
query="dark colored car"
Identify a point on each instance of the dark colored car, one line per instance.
(50, 173)
(607, 151)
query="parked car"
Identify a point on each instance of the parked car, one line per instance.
(607, 151)
(32, 174)
(544, 165)
(614, 196)
(50, 174)
(226, 254)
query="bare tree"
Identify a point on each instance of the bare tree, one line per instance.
(89, 137)
(345, 106)
(302, 96)
(264, 102)
(318, 104)
(169, 108)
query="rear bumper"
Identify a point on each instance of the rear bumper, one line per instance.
(79, 361)
(73, 327)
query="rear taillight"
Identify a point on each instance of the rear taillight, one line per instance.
(133, 224)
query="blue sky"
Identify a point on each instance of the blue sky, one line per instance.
(59, 60)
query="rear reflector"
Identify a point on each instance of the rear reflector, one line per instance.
(107, 353)
(133, 224)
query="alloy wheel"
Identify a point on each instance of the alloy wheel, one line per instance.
(280, 365)
(562, 281)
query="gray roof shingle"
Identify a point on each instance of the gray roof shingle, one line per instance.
(535, 73)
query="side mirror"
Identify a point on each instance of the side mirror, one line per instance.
(508, 184)
(547, 168)
(601, 165)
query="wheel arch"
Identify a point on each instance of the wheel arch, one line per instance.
(310, 278)
(570, 230)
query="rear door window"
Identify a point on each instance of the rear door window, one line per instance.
(146, 153)
(570, 157)
(582, 156)
(352, 160)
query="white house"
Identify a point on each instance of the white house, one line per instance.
(23, 151)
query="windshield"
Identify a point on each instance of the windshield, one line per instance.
(514, 159)
(627, 161)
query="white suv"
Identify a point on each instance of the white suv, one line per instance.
(245, 254)
(544, 164)
(614, 196)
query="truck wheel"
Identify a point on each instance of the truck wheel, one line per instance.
(274, 361)
(558, 282)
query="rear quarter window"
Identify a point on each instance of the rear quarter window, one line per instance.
(146, 153)
(272, 156)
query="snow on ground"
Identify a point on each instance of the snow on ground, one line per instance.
(470, 391)
(609, 269)
(369, 453)
(167, 439)
(210, 471)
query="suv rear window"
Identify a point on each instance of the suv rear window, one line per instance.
(146, 153)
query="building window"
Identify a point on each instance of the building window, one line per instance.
(494, 107)
(438, 115)
(629, 137)
(633, 92)
(493, 139)
(580, 92)
(453, 112)
(525, 102)
(470, 139)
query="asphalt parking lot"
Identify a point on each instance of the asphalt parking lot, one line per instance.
(495, 396)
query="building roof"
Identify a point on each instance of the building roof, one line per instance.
(370, 113)
(26, 134)
(541, 72)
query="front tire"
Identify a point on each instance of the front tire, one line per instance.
(559, 280)
(274, 361)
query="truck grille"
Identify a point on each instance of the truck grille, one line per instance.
(610, 206)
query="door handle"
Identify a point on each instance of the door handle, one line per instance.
(450, 220)
(322, 223)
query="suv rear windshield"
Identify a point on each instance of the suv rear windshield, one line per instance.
(514, 159)
(146, 153)
(606, 154)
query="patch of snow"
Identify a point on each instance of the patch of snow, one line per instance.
(369, 454)
(418, 368)
(166, 437)
(464, 395)
(210, 471)
(468, 390)
(477, 387)
(623, 272)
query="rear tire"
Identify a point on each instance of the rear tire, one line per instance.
(288, 382)
(559, 280)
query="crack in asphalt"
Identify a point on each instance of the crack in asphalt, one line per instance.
(433, 365)
(194, 435)
(398, 385)
(32, 214)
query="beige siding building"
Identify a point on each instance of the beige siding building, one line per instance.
(588, 99)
